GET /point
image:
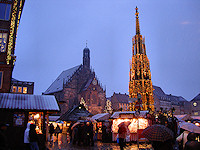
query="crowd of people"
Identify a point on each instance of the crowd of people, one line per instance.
(55, 131)
(82, 134)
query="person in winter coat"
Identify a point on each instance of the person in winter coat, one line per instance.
(57, 131)
(26, 137)
(33, 137)
(183, 137)
(122, 136)
(51, 130)
(192, 144)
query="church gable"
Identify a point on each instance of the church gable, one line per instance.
(93, 95)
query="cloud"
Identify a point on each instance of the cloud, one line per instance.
(185, 22)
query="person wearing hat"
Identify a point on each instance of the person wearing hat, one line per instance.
(192, 144)
(3, 137)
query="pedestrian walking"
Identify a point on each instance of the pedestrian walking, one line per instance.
(33, 137)
(122, 136)
(26, 137)
(51, 131)
(192, 144)
(57, 130)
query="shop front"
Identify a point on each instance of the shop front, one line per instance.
(136, 124)
(19, 109)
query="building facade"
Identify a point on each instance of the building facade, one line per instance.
(22, 87)
(79, 85)
(167, 102)
(195, 105)
(120, 102)
(140, 74)
(10, 13)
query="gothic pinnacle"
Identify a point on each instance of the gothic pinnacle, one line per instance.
(137, 21)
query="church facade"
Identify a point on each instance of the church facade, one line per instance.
(79, 85)
(140, 84)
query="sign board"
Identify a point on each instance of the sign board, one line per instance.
(18, 119)
(126, 116)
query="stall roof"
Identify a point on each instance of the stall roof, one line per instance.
(116, 114)
(28, 102)
(103, 116)
(183, 117)
(195, 117)
(75, 113)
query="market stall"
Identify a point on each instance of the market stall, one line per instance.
(19, 109)
(102, 121)
(137, 123)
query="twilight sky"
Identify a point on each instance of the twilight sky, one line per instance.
(52, 35)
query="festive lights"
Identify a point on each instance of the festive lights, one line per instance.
(143, 123)
(16, 10)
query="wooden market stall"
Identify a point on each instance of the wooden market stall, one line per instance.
(19, 109)
(73, 115)
(137, 123)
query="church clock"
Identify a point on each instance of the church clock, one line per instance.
(94, 82)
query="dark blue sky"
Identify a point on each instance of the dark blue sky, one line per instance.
(52, 35)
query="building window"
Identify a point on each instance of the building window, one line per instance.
(3, 41)
(14, 89)
(5, 11)
(196, 113)
(19, 89)
(1, 79)
(24, 90)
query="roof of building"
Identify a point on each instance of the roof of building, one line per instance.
(28, 102)
(122, 98)
(75, 113)
(196, 98)
(64, 77)
(158, 92)
(102, 116)
(15, 81)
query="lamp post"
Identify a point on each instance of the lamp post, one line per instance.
(137, 115)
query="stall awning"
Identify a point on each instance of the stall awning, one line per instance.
(117, 114)
(102, 116)
(28, 102)
(183, 117)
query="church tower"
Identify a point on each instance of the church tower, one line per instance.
(140, 76)
(86, 57)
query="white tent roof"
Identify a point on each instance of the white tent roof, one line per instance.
(103, 116)
(116, 114)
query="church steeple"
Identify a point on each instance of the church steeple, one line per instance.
(137, 21)
(86, 57)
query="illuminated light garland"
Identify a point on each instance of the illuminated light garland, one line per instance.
(12, 28)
